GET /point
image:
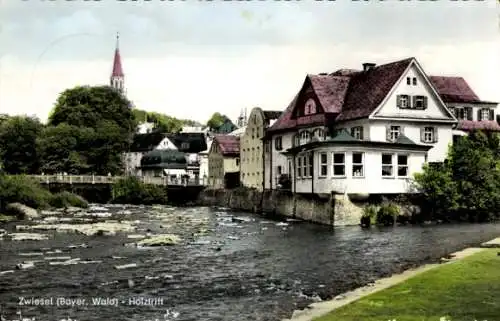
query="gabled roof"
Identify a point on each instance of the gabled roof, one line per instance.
(146, 142)
(368, 89)
(190, 142)
(229, 145)
(454, 90)
(346, 94)
(486, 125)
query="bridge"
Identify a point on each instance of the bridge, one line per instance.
(94, 179)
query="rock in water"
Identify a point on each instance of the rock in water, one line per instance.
(22, 211)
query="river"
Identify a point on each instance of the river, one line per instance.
(227, 266)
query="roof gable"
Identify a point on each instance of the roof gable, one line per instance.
(367, 89)
(435, 108)
(189, 142)
(146, 142)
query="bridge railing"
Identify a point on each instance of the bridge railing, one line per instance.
(95, 179)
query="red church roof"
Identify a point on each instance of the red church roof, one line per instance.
(117, 65)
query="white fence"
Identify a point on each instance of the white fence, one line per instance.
(93, 179)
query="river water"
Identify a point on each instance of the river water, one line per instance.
(227, 266)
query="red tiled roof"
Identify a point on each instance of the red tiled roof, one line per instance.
(117, 65)
(229, 145)
(368, 89)
(487, 125)
(454, 90)
(345, 94)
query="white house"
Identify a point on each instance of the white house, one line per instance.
(363, 131)
(142, 144)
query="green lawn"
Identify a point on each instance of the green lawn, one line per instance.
(465, 290)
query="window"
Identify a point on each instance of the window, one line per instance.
(253, 133)
(387, 165)
(403, 101)
(266, 146)
(310, 107)
(319, 133)
(310, 165)
(338, 164)
(237, 162)
(393, 133)
(419, 102)
(305, 137)
(185, 145)
(278, 143)
(402, 165)
(484, 114)
(296, 140)
(414, 81)
(357, 165)
(299, 167)
(429, 135)
(305, 164)
(357, 132)
(278, 170)
(323, 164)
(408, 80)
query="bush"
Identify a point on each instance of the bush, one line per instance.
(369, 215)
(67, 199)
(24, 190)
(131, 191)
(387, 213)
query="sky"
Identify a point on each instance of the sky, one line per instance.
(189, 59)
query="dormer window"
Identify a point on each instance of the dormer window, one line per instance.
(185, 145)
(310, 107)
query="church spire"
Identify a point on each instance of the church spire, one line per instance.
(117, 79)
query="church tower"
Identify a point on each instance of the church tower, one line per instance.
(117, 79)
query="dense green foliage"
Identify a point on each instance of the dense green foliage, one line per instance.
(17, 140)
(387, 213)
(24, 190)
(67, 199)
(467, 185)
(163, 123)
(131, 191)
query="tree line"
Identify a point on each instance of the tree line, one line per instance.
(87, 131)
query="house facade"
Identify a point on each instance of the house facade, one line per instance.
(191, 144)
(471, 112)
(142, 144)
(252, 147)
(223, 160)
(169, 163)
(380, 124)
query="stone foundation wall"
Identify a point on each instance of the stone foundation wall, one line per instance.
(335, 210)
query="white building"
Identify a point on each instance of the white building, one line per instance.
(365, 131)
(142, 144)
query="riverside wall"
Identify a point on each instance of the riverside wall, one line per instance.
(328, 209)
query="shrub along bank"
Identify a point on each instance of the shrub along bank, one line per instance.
(27, 191)
(130, 190)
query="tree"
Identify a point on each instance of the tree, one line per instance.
(216, 120)
(90, 128)
(18, 136)
(163, 123)
(467, 185)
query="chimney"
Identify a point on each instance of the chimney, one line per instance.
(368, 65)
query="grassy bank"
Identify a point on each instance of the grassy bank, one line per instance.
(465, 290)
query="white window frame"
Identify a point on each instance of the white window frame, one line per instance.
(356, 132)
(323, 165)
(395, 131)
(362, 164)
(420, 99)
(299, 167)
(305, 137)
(338, 164)
(484, 112)
(401, 166)
(387, 165)
(404, 101)
(429, 134)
